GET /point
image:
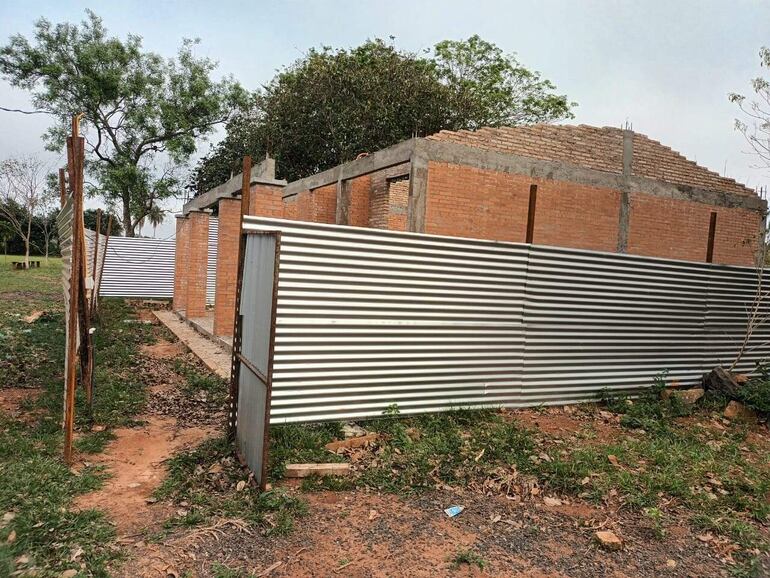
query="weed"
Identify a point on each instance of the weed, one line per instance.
(468, 557)
(205, 480)
(656, 516)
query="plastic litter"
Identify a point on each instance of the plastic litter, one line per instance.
(453, 511)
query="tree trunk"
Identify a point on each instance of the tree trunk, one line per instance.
(26, 242)
(127, 226)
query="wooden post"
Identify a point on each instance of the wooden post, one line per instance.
(75, 147)
(531, 214)
(712, 234)
(236, 347)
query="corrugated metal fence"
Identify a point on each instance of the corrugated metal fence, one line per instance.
(369, 318)
(140, 267)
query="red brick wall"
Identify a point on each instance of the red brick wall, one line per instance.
(579, 216)
(469, 202)
(398, 193)
(227, 265)
(678, 229)
(197, 263)
(180, 263)
(324, 204)
(266, 201)
(358, 213)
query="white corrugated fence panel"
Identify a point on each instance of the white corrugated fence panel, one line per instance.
(369, 318)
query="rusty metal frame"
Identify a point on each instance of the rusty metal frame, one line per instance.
(238, 358)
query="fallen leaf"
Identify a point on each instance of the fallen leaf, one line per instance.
(551, 502)
(240, 485)
(613, 460)
(11, 537)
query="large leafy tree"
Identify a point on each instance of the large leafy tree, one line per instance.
(491, 88)
(140, 110)
(332, 105)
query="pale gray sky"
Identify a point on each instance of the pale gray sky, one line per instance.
(665, 66)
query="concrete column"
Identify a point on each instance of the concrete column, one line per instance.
(181, 257)
(197, 264)
(418, 191)
(227, 265)
(624, 214)
(343, 202)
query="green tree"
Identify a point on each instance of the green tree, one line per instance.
(332, 105)
(139, 108)
(89, 219)
(490, 88)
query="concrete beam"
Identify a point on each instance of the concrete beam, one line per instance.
(395, 155)
(232, 187)
(454, 153)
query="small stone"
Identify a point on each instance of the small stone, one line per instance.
(68, 574)
(735, 410)
(351, 430)
(8, 518)
(671, 563)
(240, 485)
(687, 396)
(608, 540)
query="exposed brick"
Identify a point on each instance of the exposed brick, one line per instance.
(180, 263)
(197, 263)
(227, 265)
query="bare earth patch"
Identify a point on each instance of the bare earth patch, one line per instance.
(135, 461)
(163, 349)
(375, 535)
(12, 398)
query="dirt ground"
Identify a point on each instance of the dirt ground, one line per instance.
(135, 460)
(375, 535)
(366, 534)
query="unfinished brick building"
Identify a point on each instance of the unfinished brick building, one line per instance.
(585, 187)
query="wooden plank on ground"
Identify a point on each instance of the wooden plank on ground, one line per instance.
(305, 470)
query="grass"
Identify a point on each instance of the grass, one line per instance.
(37, 488)
(205, 482)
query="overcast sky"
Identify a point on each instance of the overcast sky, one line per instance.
(665, 66)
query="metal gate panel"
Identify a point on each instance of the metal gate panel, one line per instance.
(256, 335)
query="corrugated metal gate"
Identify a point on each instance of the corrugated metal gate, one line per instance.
(368, 318)
(141, 267)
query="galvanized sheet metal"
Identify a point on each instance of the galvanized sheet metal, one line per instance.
(142, 267)
(256, 322)
(368, 318)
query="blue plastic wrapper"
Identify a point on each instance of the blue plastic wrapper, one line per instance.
(452, 511)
